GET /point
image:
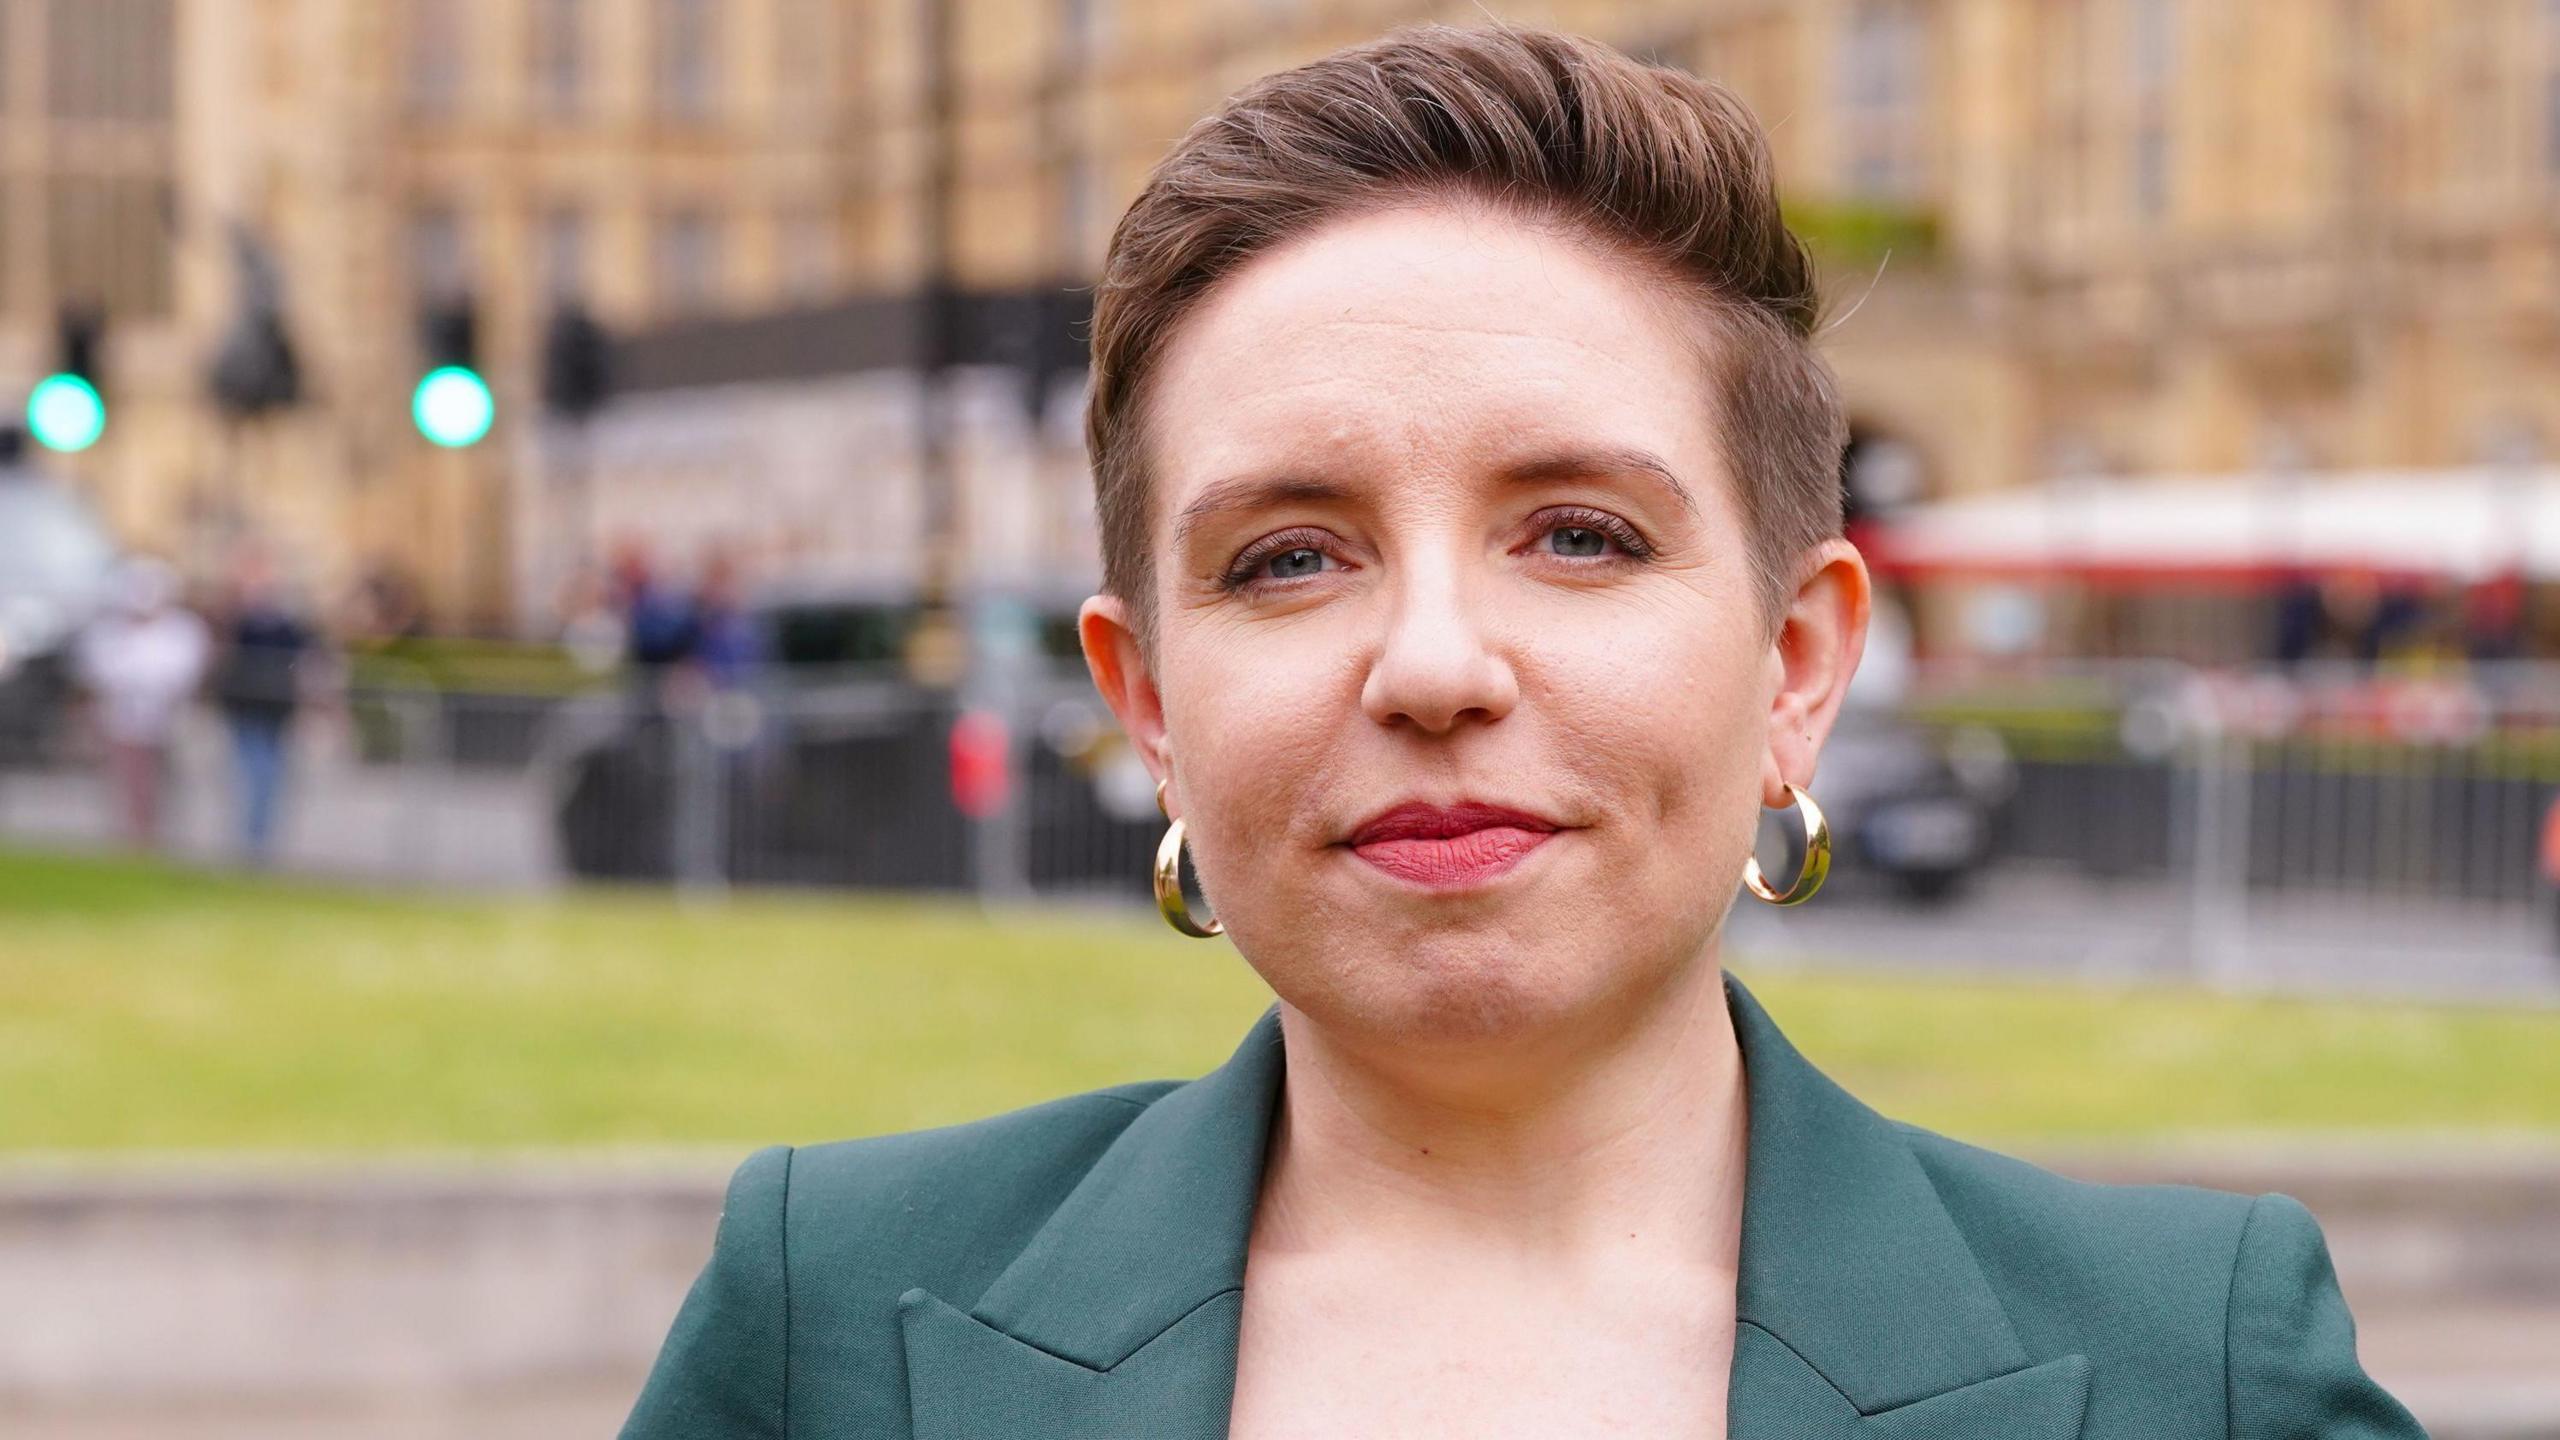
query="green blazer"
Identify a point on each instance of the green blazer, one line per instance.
(1074, 1271)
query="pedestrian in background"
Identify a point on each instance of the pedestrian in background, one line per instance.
(2550, 863)
(140, 663)
(661, 628)
(260, 685)
(725, 641)
(590, 624)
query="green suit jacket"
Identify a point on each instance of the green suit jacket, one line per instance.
(1074, 1271)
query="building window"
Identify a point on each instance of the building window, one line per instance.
(559, 55)
(106, 240)
(433, 60)
(809, 255)
(109, 60)
(2154, 55)
(2551, 86)
(1089, 26)
(2059, 139)
(688, 262)
(2479, 123)
(1883, 91)
(11, 187)
(1082, 202)
(564, 255)
(279, 59)
(439, 268)
(687, 57)
(807, 55)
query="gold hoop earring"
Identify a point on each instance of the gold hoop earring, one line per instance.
(1817, 856)
(1169, 901)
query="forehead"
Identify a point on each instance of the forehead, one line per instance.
(1439, 338)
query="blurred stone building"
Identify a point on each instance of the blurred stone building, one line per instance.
(2062, 235)
(2159, 235)
(653, 158)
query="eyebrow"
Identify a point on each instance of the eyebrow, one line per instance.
(1251, 492)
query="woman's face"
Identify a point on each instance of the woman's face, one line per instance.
(1442, 516)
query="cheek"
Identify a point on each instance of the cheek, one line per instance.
(1668, 734)
(1253, 725)
(1667, 707)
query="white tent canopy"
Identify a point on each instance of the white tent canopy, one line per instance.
(2462, 524)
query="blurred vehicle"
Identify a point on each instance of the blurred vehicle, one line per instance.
(56, 564)
(833, 766)
(1911, 808)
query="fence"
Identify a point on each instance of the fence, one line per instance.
(2237, 826)
(2321, 817)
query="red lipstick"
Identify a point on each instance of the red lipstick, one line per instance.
(1449, 846)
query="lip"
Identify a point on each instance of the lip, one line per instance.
(1422, 820)
(1452, 846)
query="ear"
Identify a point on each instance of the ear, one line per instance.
(1815, 652)
(1120, 672)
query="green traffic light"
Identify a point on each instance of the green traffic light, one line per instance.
(453, 407)
(66, 413)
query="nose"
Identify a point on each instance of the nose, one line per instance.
(1436, 664)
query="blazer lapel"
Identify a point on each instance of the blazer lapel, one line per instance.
(1862, 1310)
(1863, 1315)
(1121, 1316)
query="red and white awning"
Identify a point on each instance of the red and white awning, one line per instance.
(2457, 524)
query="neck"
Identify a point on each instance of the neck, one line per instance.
(1567, 1150)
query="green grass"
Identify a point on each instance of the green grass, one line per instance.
(149, 1008)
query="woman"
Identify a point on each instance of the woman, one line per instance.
(264, 673)
(1473, 577)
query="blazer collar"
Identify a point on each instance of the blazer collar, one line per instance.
(1863, 1314)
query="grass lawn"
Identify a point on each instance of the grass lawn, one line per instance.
(148, 1008)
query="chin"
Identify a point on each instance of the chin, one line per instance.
(1448, 989)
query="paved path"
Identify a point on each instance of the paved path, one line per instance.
(2025, 920)
(448, 826)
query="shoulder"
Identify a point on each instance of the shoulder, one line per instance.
(933, 1203)
(2226, 1284)
(1973, 1177)
(961, 1187)
(815, 1241)
(2150, 1254)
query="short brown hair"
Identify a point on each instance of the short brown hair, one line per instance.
(1660, 166)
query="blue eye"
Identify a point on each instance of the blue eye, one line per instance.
(1580, 540)
(1585, 534)
(1304, 560)
(1577, 533)
(1274, 559)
